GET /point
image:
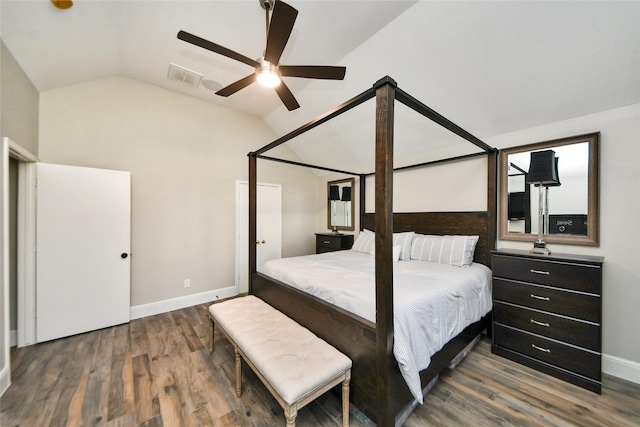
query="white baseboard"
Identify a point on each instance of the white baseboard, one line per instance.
(621, 368)
(13, 338)
(159, 307)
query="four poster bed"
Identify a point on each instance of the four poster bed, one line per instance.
(378, 388)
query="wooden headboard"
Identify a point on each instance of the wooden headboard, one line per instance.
(440, 223)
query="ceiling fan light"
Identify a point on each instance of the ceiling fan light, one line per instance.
(267, 74)
(268, 79)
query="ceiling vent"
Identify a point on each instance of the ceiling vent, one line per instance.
(184, 75)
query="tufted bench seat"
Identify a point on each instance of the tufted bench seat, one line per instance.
(294, 364)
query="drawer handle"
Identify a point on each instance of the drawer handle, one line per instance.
(326, 242)
(535, 322)
(539, 297)
(546, 350)
(546, 273)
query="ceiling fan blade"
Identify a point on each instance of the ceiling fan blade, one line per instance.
(206, 44)
(240, 84)
(287, 97)
(313, 71)
(282, 20)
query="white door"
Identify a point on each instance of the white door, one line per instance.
(83, 223)
(268, 229)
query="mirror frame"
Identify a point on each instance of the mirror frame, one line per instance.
(342, 227)
(593, 219)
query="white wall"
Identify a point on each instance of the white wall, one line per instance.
(185, 156)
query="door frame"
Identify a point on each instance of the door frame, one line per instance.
(26, 334)
(26, 272)
(238, 235)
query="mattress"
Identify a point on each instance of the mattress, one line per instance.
(432, 302)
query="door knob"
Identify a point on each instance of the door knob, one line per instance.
(124, 255)
(259, 241)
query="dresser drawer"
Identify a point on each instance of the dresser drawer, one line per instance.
(333, 242)
(572, 304)
(567, 357)
(571, 331)
(584, 278)
(330, 242)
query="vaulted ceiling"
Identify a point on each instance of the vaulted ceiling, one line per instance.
(492, 67)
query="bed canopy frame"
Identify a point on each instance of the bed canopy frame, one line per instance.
(377, 386)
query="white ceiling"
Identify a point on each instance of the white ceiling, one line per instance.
(491, 67)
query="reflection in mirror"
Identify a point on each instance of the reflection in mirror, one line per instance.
(340, 207)
(567, 207)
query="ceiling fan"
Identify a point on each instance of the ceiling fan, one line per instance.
(268, 70)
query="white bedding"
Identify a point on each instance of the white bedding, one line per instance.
(432, 302)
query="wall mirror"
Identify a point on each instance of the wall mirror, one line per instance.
(571, 212)
(340, 205)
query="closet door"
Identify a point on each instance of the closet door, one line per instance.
(83, 222)
(268, 229)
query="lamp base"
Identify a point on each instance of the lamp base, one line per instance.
(539, 248)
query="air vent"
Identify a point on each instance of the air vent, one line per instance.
(184, 75)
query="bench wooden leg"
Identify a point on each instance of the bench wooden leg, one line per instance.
(213, 333)
(290, 413)
(345, 399)
(238, 373)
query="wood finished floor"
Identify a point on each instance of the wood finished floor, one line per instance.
(157, 371)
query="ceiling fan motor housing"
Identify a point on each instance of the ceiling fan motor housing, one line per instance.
(267, 4)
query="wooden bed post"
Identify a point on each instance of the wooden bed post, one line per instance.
(385, 97)
(253, 192)
(492, 197)
(363, 188)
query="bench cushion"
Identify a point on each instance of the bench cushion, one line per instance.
(289, 356)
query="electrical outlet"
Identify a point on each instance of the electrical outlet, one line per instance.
(187, 283)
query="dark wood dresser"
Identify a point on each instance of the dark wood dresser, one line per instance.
(328, 242)
(547, 312)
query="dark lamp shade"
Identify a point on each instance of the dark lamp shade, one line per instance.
(543, 169)
(334, 192)
(346, 194)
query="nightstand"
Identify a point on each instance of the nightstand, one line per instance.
(327, 242)
(547, 312)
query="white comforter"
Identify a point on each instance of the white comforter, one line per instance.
(432, 302)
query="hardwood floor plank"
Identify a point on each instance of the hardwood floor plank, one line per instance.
(201, 417)
(36, 363)
(145, 391)
(121, 388)
(138, 338)
(126, 420)
(157, 372)
(188, 333)
(74, 412)
(42, 407)
(234, 418)
(73, 382)
(95, 406)
(172, 401)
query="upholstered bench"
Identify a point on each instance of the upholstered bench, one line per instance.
(294, 364)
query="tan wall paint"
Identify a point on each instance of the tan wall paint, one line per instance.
(184, 156)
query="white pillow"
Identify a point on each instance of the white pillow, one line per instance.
(453, 250)
(396, 252)
(404, 240)
(364, 242)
